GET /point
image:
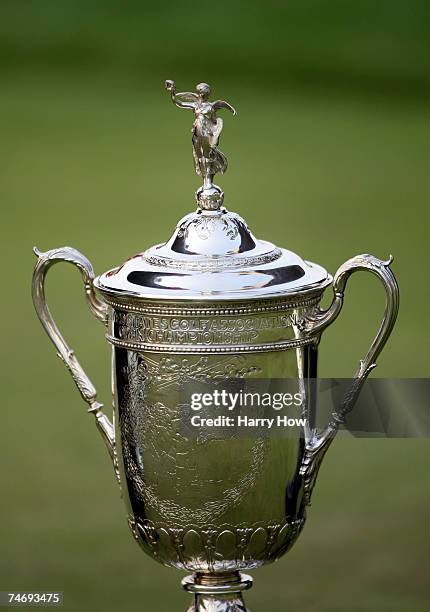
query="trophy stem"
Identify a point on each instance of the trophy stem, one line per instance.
(217, 592)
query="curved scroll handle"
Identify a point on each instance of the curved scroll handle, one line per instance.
(317, 443)
(66, 354)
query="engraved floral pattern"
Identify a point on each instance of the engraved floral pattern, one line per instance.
(205, 226)
(180, 370)
(149, 426)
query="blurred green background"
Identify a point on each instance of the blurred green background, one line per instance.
(329, 156)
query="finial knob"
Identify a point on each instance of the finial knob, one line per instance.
(206, 130)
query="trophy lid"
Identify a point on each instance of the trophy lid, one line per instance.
(212, 254)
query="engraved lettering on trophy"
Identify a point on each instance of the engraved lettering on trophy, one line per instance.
(162, 330)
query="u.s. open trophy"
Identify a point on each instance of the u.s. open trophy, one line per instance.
(213, 302)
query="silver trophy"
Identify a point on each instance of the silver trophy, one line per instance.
(211, 303)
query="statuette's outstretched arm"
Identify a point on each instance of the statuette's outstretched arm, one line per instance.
(184, 99)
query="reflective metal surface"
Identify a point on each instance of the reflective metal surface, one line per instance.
(218, 593)
(207, 127)
(213, 303)
(213, 256)
(64, 352)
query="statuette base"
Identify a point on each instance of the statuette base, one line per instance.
(210, 197)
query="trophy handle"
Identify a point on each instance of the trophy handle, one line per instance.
(317, 443)
(66, 354)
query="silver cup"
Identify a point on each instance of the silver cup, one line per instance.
(212, 303)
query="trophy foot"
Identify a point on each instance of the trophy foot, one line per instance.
(217, 592)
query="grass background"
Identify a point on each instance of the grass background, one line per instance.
(328, 156)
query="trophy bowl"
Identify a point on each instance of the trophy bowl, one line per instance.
(212, 304)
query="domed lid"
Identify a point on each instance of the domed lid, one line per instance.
(212, 254)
